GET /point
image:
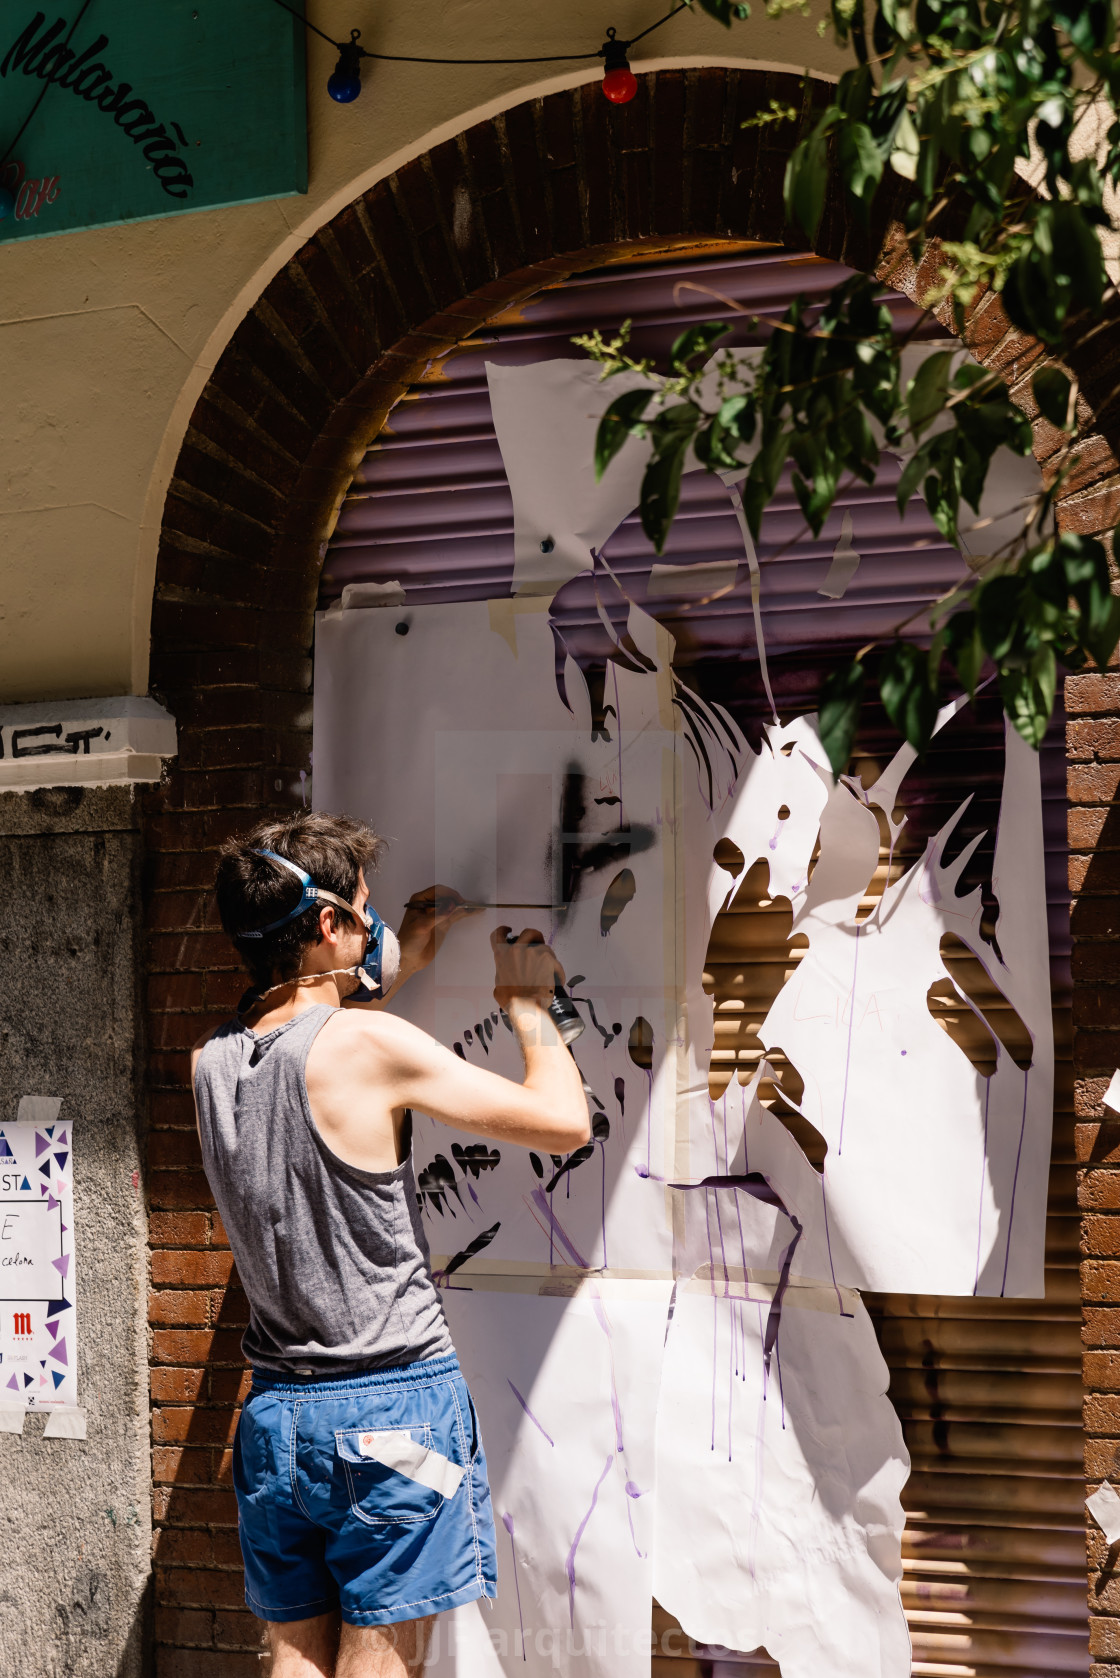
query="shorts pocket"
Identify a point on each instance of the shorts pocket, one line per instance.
(393, 1474)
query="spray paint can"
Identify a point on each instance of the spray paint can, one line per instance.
(562, 1011)
(565, 1016)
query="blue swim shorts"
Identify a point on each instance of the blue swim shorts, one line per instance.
(366, 1494)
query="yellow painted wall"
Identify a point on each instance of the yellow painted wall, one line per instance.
(107, 337)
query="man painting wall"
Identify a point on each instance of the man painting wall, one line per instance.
(364, 1508)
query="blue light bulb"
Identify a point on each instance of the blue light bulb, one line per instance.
(7, 202)
(345, 85)
(345, 82)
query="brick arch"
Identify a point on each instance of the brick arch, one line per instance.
(405, 272)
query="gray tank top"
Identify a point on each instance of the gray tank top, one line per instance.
(333, 1259)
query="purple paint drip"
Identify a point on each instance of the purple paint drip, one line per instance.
(603, 1157)
(726, 1154)
(715, 1334)
(983, 1164)
(604, 1323)
(743, 1116)
(722, 1252)
(781, 1387)
(708, 1233)
(540, 1427)
(632, 1492)
(507, 1522)
(731, 1381)
(540, 1200)
(759, 1464)
(848, 1056)
(618, 733)
(570, 1564)
(1014, 1182)
(742, 1239)
(828, 1243)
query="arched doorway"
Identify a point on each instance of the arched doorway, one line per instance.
(552, 188)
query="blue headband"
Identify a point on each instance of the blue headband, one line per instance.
(310, 895)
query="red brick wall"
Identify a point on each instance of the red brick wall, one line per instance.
(1093, 740)
(305, 383)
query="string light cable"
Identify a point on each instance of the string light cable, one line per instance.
(619, 83)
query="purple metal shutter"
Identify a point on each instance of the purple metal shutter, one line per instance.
(989, 1391)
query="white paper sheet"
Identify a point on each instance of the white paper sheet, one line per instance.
(546, 416)
(466, 753)
(778, 1514)
(935, 1177)
(567, 1392)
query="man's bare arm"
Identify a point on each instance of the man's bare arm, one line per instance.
(548, 1110)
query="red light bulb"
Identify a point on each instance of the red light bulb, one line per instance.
(620, 85)
(619, 82)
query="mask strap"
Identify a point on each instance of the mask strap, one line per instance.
(311, 895)
(300, 979)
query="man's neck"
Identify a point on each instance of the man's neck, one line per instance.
(311, 991)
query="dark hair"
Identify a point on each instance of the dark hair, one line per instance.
(252, 890)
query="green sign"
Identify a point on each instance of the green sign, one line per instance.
(138, 108)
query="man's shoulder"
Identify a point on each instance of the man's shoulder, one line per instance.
(225, 1028)
(376, 1032)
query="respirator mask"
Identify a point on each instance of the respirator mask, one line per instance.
(379, 967)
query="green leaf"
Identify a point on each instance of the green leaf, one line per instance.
(838, 712)
(698, 340)
(1101, 642)
(622, 419)
(1084, 566)
(964, 649)
(738, 414)
(928, 390)
(726, 12)
(912, 474)
(907, 148)
(1028, 696)
(997, 614)
(908, 697)
(661, 491)
(1051, 392)
(861, 163)
(1058, 272)
(806, 179)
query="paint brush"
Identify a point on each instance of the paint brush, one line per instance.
(438, 903)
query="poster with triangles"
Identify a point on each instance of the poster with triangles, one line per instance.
(38, 1340)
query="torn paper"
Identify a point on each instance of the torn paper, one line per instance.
(1104, 1506)
(67, 1422)
(704, 582)
(845, 564)
(780, 1462)
(546, 416)
(566, 1389)
(935, 1175)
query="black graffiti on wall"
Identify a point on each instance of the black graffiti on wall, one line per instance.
(48, 739)
(83, 74)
